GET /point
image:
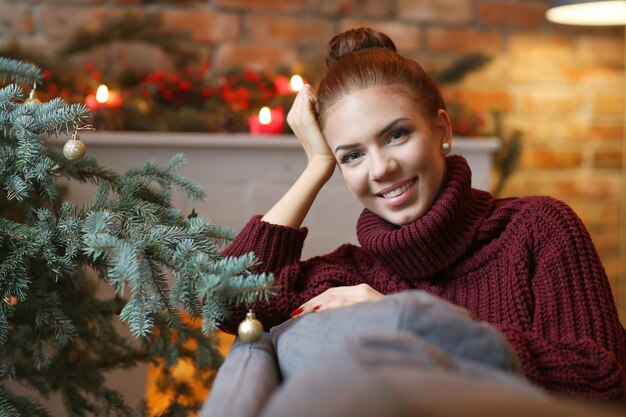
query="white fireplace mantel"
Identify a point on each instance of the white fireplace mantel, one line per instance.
(244, 175)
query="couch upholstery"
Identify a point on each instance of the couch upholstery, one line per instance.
(406, 354)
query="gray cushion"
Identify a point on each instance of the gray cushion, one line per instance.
(301, 343)
(397, 374)
(245, 381)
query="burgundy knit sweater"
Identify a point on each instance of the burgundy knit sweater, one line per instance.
(525, 265)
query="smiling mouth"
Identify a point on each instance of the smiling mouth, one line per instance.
(398, 191)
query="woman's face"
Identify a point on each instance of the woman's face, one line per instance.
(390, 155)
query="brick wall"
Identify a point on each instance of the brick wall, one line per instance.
(562, 86)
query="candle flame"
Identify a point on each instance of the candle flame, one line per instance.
(296, 83)
(102, 95)
(265, 116)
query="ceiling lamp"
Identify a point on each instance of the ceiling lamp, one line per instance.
(587, 12)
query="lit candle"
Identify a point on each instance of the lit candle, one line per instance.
(103, 98)
(102, 94)
(265, 116)
(269, 121)
(296, 82)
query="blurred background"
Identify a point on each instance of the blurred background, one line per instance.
(552, 95)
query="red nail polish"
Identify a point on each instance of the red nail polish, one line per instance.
(296, 312)
(316, 308)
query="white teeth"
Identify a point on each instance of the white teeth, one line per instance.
(398, 191)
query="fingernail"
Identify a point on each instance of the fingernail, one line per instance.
(296, 312)
(316, 308)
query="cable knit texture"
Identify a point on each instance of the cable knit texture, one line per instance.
(526, 265)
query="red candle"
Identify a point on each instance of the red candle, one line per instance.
(269, 121)
(103, 98)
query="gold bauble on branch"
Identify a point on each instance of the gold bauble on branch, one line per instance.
(32, 98)
(74, 148)
(250, 329)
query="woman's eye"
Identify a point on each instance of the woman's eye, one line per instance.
(349, 157)
(398, 134)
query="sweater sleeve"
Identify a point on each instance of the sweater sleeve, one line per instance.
(278, 248)
(575, 343)
(274, 245)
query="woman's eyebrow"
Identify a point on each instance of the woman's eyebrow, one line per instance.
(390, 126)
(381, 133)
(344, 147)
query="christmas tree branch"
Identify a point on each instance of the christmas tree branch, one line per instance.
(19, 72)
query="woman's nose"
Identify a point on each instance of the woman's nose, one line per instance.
(381, 165)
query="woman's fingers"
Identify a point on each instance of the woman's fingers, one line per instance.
(303, 121)
(338, 297)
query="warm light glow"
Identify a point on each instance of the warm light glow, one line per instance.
(102, 95)
(265, 116)
(296, 83)
(596, 13)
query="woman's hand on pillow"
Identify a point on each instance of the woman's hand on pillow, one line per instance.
(337, 297)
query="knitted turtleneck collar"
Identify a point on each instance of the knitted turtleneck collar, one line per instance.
(436, 240)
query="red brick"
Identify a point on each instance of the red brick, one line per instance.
(64, 21)
(376, 8)
(609, 211)
(448, 11)
(479, 100)
(137, 56)
(532, 71)
(593, 130)
(611, 266)
(608, 159)
(282, 5)
(608, 103)
(588, 185)
(600, 50)
(16, 20)
(254, 56)
(463, 40)
(371, 8)
(551, 158)
(522, 183)
(555, 101)
(518, 14)
(285, 29)
(606, 240)
(584, 210)
(338, 7)
(536, 131)
(206, 26)
(593, 75)
(532, 48)
(83, 2)
(405, 36)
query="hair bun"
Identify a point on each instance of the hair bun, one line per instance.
(354, 40)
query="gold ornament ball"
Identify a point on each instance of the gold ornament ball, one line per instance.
(32, 100)
(250, 329)
(74, 149)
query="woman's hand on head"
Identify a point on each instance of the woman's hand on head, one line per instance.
(337, 297)
(303, 121)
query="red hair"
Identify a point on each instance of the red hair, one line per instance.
(363, 58)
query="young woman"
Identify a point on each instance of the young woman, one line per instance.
(525, 265)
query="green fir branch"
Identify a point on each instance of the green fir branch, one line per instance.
(56, 334)
(19, 72)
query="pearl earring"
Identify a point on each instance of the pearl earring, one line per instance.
(445, 146)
